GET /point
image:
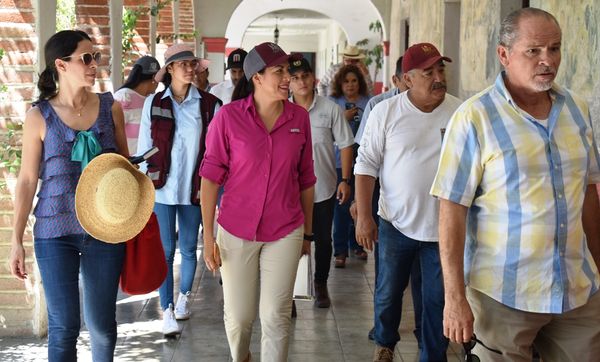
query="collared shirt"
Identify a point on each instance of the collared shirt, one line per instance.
(369, 107)
(186, 145)
(223, 90)
(327, 125)
(524, 184)
(401, 146)
(262, 172)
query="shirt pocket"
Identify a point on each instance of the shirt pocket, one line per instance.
(320, 129)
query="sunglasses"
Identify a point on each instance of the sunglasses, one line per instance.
(468, 347)
(86, 58)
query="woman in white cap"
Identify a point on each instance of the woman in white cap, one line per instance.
(140, 84)
(68, 127)
(259, 148)
(175, 120)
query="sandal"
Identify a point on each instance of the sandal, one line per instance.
(340, 261)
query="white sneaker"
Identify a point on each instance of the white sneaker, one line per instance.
(182, 308)
(170, 327)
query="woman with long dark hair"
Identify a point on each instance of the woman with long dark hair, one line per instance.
(67, 127)
(259, 148)
(349, 91)
(175, 120)
(140, 84)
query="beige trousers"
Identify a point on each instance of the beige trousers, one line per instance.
(259, 274)
(570, 336)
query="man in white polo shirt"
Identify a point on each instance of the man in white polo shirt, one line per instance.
(327, 126)
(401, 146)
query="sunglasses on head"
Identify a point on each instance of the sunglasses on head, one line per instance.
(468, 347)
(86, 58)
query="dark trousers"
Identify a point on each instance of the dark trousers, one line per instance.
(322, 222)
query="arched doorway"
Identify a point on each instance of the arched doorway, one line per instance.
(351, 16)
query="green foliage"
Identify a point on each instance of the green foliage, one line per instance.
(159, 6)
(10, 150)
(173, 37)
(3, 87)
(130, 18)
(373, 55)
(65, 15)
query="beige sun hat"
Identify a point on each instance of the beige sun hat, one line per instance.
(113, 199)
(176, 53)
(353, 52)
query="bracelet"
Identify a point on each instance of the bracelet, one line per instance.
(309, 237)
(347, 181)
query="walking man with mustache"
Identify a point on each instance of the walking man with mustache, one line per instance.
(520, 163)
(401, 145)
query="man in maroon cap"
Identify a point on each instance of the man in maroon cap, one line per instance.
(400, 145)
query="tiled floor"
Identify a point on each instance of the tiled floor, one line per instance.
(335, 334)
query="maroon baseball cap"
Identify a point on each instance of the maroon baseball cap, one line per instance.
(421, 56)
(265, 55)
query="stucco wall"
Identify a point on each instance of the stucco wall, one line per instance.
(479, 31)
(426, 22)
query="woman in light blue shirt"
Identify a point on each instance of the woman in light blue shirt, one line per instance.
(175, 121)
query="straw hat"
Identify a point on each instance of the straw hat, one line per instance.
(113, 200)
(353, 52)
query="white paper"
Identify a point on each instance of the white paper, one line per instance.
(303, 286)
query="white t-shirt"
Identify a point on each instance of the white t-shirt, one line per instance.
(401, 145)
(223, 90)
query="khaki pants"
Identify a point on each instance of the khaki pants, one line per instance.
(253, 271)
(570, 336)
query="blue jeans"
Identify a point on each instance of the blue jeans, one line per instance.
(189, 219)
(61, 260)
(343, 226)
(396, 255)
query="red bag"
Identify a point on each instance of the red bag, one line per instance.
(145, 266)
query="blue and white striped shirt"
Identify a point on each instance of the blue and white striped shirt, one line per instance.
(524, 183)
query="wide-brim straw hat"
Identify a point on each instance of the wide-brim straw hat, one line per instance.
(177, 53)
(353, 52)
(113, 199)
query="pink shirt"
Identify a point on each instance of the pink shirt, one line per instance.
(263, 173)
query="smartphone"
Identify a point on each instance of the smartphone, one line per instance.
(350, 105)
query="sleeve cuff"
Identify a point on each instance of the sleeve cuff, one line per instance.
(451, 196)
(362, 169)
(213, 173)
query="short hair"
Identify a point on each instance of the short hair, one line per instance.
(399, 67)
(509, 28)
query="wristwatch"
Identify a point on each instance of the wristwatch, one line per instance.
(346, 180)
(309, 237)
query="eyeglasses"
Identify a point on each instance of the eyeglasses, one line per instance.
(187, 63)
(86, 58)
(468, 347)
